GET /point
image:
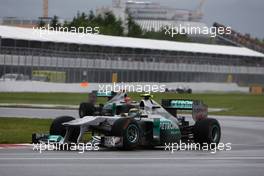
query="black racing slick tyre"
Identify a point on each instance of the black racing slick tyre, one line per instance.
(207, 131)
(129, 130)
(57, 128)
(86, 109)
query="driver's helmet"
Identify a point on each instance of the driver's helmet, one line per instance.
(92, 98)
(127, 100)
(134, 112)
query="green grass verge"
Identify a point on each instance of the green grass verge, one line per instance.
(19, 130)
(43, 98)
(235, 103)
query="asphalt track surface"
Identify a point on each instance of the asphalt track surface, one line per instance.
(245, 158)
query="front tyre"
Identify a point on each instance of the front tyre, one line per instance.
(207, 131)
(131, 134)
(129, 130)
(57, 128)
(86, 109)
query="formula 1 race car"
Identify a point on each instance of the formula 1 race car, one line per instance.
(122, 123)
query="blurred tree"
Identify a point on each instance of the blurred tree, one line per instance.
(134, 30)
(109, 25)
(41, 23)
(54, 22)
(91, 15)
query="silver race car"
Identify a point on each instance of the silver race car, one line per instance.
(126, 124)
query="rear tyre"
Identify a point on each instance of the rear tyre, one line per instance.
(86, 109)
(207, 131)
(129, 130)
(57, 128)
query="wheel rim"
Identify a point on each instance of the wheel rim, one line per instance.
(132, 133)
(215, 133)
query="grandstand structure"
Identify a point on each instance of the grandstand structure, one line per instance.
(152, 10)
(153, 16)
(95, 58)
(238, 39)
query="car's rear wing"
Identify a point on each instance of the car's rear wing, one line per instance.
(179, 104)
(103, 94)
(198, 108)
